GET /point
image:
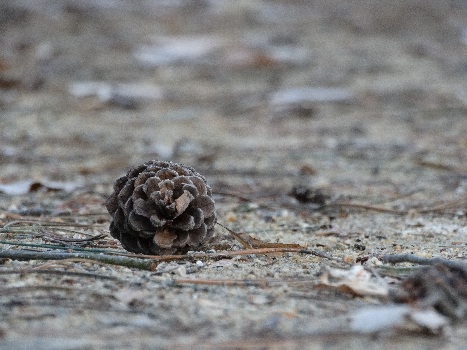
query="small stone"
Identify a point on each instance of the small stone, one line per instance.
(373, 261)
(231, 217)
(180, 271)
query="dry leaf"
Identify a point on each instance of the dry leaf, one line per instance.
(390, 317)
(356, 281)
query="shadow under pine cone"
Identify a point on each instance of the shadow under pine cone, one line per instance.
(160, 208)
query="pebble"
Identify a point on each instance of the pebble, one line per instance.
(180, 271)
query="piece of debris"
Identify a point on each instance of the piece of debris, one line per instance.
(356, 281)
(308, 195)
(26, 186)
(397, 317)
(175, 50)
(125, 96)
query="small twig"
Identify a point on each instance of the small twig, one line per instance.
(247, 172)
(243, 242)
(440, 166)
(61, 246)
(228, 253)
(44, 271)
(249, 247)
(397, 198)
(367, 207)
(67, 214)
(410, 258)
(400, 212)
(43, 223)
(444, 206)
(144, 264)
(73, 260)
(251, 200)
(73, 231)
(397, 271)
(229, 194)
(229, 282)
(258, 282)
(34, 288)
(319, 254)
(76, 240)
(249, 242)
(11, 223)
(331, 334)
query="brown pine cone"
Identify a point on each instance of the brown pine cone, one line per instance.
(441, 286)
(161, 208)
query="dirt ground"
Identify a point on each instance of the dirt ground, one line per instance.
(281, 105)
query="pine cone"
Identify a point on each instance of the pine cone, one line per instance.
(441, 286)
(161, 208)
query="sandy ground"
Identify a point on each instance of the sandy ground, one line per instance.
(365, 101)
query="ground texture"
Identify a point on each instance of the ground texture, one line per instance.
(337, 126)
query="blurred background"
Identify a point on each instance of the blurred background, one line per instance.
(252, 93)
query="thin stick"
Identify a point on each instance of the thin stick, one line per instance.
(400, 212)
(63, 246)
(331, 334)
(243, 242)
(259, 282)
(146, 262)
(368, 207)
(227, 282)
(410, 258)
(108, 259)
(75, 240)
(229, 194)
(397, 198)
(229, 253)
(74, 231)
(34, 288)
(319, 254)
(444, 206)
(44, 271)
(44, 223)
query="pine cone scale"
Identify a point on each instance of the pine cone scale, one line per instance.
(125, 194)
(156, 221)
(182, 202)
(164, 239)
(138, 222)
(206, 204)
(184, 222)
(196, 236)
